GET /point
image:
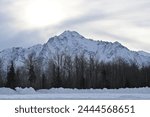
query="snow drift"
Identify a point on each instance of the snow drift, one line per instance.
(60, 93)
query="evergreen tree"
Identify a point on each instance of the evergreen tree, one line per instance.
(32, 76)
(43, 81)
(1, 74)
(1, 81)
(11, 81)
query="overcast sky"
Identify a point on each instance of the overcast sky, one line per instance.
(28, 22)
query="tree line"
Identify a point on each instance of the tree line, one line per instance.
(74, 72)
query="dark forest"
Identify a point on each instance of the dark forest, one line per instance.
(74, 72)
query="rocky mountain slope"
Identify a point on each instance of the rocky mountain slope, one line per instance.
(72, 43)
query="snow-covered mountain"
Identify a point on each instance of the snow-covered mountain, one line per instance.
(72, 43)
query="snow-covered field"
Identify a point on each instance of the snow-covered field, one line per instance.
(60, 93)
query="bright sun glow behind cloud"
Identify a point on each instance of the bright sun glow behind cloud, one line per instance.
(42, 13)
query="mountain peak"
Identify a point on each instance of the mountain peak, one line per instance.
(67, 35)
(71, 34)
(117, 43)
(68, 32)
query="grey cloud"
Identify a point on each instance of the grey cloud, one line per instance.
(83, 19)
(93, 11)
(96, 14)
(114, 36)
(24, 38)
(125, 40)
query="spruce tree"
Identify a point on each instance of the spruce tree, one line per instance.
(32, 76)
(11, 81)
(43, 81)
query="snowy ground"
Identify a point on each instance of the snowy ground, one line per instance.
(30, 93)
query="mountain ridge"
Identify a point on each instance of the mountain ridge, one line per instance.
(72, 43)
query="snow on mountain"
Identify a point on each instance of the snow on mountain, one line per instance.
(144, 53)
(72, 43)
